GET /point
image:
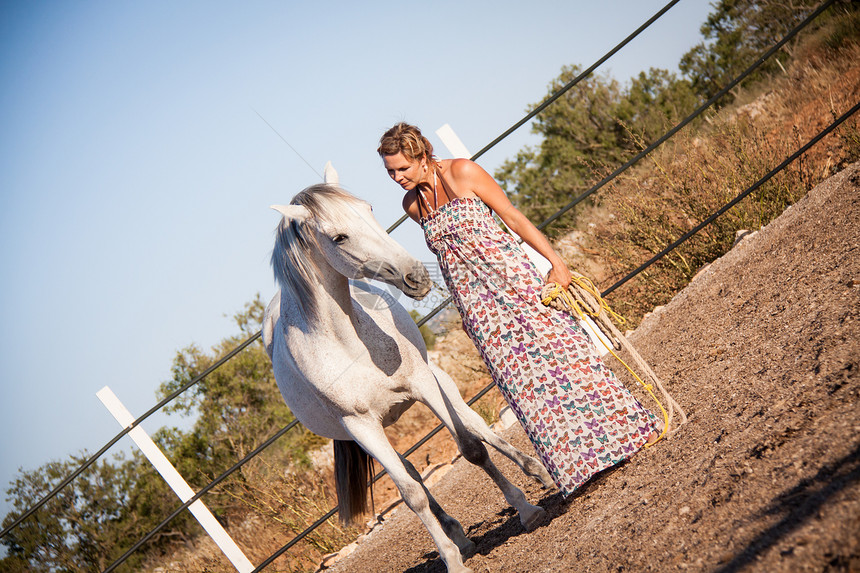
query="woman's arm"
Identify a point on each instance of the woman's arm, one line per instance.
(410, 205)
(468, 175)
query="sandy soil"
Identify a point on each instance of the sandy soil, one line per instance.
(762, 351)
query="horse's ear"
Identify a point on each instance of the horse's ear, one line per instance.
(291, 212)
(330, 175)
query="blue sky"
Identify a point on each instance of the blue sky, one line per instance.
(136, 173)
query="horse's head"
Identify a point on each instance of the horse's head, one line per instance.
(327, 220)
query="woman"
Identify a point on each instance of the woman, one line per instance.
(579, 418)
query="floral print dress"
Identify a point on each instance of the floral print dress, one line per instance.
(579, 418)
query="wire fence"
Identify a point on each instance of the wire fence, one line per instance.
(126, 430)
(254, 337)
(442, 305)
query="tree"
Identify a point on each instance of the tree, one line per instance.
(735, 34)
(653, 103)
(579, 133)
(85, 527)
(592, 128)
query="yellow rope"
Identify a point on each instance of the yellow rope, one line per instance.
(585, 284)
(581, 310)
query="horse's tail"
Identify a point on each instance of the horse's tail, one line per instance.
(353, 470)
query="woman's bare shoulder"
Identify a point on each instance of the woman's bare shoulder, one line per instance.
(466, 175)
(464, 168)
(470, 178)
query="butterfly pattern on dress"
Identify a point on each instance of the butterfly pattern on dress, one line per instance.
(579, 418)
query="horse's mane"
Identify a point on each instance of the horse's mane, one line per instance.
(293, 268)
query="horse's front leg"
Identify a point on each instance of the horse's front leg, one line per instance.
(451, 526)
(370, 436)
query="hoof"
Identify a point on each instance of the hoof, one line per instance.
(538, 473)
(533, 518)
(546, 483)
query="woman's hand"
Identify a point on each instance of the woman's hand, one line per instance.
(560, 275)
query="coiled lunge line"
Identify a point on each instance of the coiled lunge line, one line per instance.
(583, 299)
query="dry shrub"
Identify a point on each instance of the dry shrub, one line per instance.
(697, 172)
(290, 497)
(270, 502)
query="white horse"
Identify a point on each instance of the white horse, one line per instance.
(349, 360)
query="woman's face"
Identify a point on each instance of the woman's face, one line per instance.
(408, 174)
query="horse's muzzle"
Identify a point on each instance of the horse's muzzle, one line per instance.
(417, 283)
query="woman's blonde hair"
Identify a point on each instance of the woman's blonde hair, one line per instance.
(406, 139)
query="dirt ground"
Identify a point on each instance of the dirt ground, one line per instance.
(762, 352)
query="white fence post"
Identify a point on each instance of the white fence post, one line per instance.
(175, 481)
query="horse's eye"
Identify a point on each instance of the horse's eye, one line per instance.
(340, 239)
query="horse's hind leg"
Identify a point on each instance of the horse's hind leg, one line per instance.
(473, 450)
(530, 466)
(370, 436)
(451, 526)
(474, 423)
